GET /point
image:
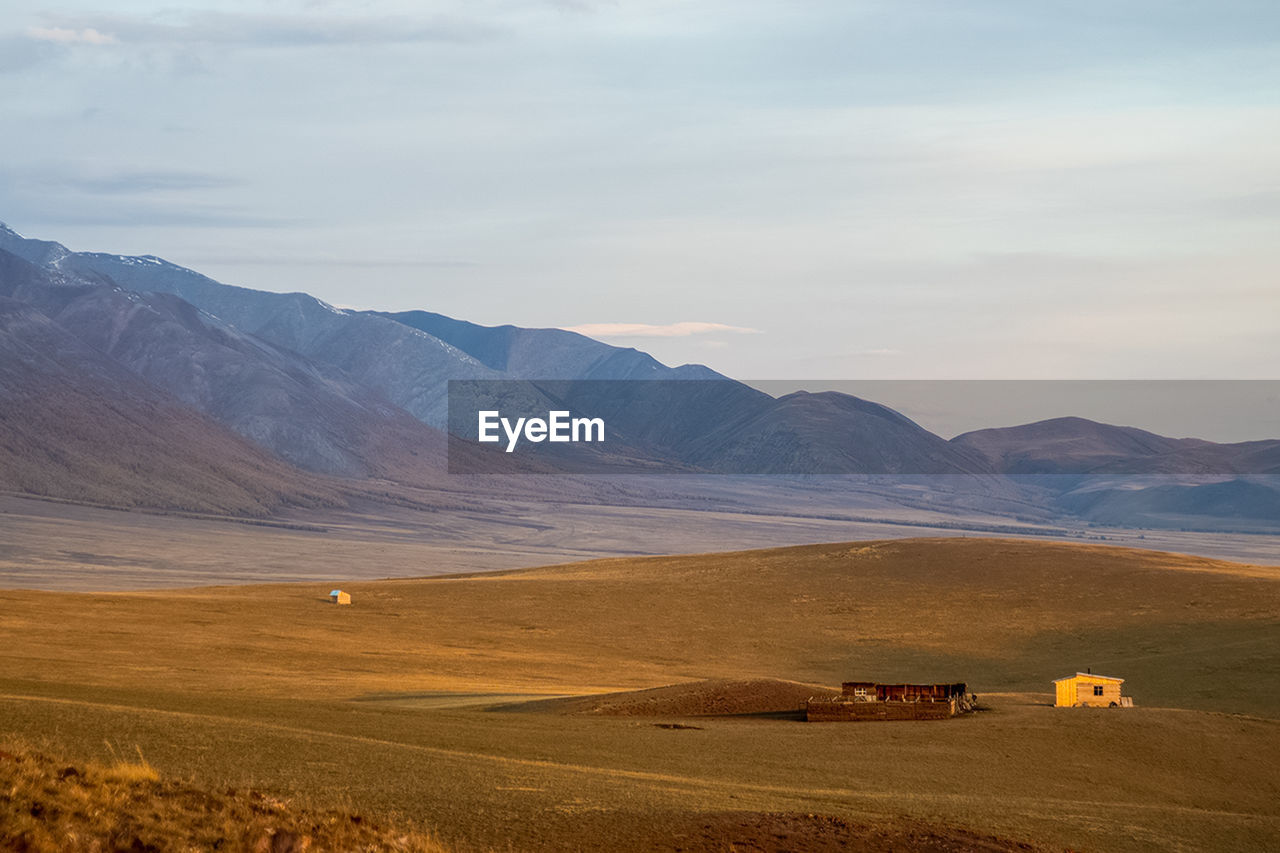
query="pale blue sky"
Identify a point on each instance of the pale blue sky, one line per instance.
(850, 189)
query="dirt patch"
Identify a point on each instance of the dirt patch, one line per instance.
(785, 832)
(712, 698)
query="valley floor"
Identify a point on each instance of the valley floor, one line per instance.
(52, 545)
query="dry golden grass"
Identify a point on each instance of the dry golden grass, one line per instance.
(56, 806)
(383, 705)
(123, 770)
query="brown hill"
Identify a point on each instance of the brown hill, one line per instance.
(712, 697)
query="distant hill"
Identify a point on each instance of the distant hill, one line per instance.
(1080, 446)
(828, 433)
(1133, 478)
(363, 395)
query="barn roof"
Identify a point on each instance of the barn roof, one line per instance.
(1090, 675)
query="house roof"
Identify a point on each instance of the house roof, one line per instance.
(1090, 675)
(334, 591)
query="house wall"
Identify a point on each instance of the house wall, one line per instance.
(1080, 691)
(1110, 693)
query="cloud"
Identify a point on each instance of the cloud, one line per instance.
(259, 30)
(645, 330)
(68, 35)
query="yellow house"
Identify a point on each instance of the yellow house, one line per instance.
(1084, 689)
(337, 596)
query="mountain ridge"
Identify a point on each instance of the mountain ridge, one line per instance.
(362, 394)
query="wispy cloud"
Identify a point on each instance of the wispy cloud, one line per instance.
(70, 35)
(646, 330)
(259, 30)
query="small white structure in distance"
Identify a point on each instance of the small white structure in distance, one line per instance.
(337, 596)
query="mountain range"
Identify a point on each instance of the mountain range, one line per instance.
(130, 380)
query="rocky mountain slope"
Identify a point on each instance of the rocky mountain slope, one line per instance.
(74, 425)
(306, 413)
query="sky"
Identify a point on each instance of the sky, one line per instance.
(993, 189)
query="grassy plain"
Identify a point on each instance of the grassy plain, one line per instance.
(392, 705)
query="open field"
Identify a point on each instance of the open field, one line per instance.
(408, 704)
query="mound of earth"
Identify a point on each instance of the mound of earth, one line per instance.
(712, 698)
(48, 805)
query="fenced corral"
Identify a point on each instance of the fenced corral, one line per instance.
(869, 700)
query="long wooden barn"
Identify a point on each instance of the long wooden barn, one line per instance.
(871, 700)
